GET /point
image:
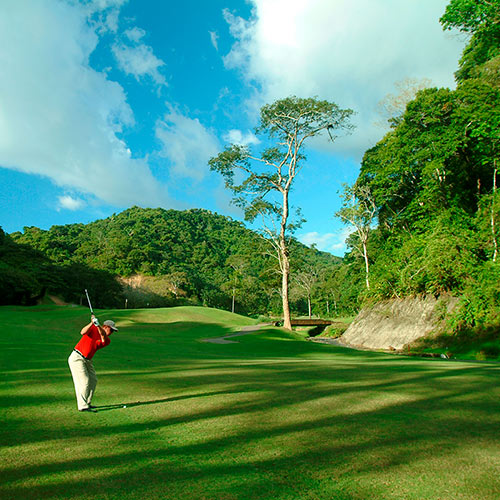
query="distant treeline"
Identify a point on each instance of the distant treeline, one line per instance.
(157, 257)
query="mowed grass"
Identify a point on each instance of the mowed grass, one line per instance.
(269, 417)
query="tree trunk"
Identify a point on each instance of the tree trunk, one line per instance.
(493, 228)
(287, 319)
(367, 266)
(232, 304)
(285, 265)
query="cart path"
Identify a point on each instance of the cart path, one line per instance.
(244, 330)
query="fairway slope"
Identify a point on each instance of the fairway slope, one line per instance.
(269, 417)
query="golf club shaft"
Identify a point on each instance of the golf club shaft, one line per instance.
(88, 298)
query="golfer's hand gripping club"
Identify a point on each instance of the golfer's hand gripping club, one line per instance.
(95, 321)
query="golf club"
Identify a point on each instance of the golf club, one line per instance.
(88, 298)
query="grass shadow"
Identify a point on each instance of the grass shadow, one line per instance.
(121, 406)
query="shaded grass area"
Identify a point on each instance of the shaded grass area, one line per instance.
(269, 417)
(479, 344)
(336, 330)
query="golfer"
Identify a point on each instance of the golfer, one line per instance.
(94, 337)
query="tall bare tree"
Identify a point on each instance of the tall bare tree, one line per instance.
(306, 280)
(392, 107)
(265, 180)
(359, 210)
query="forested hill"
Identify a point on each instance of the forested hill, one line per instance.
(172, 256)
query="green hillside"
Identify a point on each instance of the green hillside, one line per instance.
(27, 275)
(270, 417)
(172, 257)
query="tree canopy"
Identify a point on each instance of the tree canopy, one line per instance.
(481, 19)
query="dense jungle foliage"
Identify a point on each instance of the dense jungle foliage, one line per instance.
(165, 257)
(434, 181)
(27, 275)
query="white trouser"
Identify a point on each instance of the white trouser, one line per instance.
(84, 378)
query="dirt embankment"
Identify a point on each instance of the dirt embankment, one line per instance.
(392, 324)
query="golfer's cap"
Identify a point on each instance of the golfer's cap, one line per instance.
(111, 324)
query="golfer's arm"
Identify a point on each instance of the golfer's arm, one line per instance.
(102, 333)
(86, 328)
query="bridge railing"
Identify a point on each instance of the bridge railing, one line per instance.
(306, 322)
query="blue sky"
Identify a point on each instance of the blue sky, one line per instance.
(105, 104)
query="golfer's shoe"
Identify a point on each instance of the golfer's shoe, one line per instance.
(89, 409)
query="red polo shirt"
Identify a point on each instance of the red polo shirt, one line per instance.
(91, 342)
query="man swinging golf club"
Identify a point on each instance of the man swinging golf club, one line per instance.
(94, 337)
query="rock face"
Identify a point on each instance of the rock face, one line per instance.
(392, 324)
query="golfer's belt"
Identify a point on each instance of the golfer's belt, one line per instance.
(78, 352)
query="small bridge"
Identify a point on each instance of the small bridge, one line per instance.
(319, 324)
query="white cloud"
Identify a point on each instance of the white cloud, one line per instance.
(104, 13)
(314, 238)
(102, 5)
(242, 139)
(70, 203)
(214, 37)
(187, 144)
(60, 118)
(138, 60)
(327, 242)
(348, 51)
(135, 34)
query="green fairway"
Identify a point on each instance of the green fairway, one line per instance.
(270, 416)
